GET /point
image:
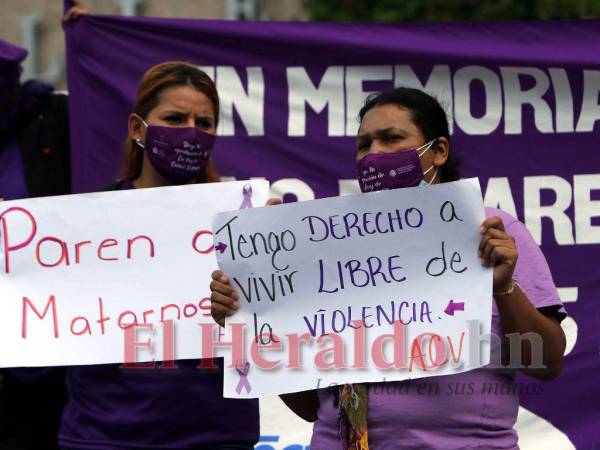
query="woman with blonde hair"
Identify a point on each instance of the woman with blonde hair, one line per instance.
(176, 112)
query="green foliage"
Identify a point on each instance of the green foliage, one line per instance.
(450, 10)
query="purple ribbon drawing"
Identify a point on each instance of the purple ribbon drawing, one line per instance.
(247, 192)
(243, 369)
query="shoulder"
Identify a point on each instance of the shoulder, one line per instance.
(506, 218)
(59, 97)
(512, 225)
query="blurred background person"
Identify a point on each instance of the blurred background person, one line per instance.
(34, 133)
(34, 162)
(34, 157)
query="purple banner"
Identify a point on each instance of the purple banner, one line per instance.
(523, 100)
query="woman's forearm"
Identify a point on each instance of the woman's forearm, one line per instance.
(519, 316)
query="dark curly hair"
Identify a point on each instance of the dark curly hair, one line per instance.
(426, 113)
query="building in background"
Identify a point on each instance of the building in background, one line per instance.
(36, 24)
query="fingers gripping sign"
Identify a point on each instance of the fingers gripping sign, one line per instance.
(497, 249)
(224, 299)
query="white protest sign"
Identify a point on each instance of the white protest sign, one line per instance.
(75, 271)
(364, 288)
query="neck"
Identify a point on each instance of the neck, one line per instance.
(149, 177)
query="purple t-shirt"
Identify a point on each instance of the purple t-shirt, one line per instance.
(12, 173)
(111, 408)
(475, 409)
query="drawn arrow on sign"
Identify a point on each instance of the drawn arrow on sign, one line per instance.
(221, 247)
(452, 306)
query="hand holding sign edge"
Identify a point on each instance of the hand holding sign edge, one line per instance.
(498, 249)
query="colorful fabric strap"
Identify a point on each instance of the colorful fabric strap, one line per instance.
(352, 416)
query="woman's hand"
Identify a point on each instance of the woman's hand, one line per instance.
(76, 11)
(224, 300)
(273, 202)
(498, 250)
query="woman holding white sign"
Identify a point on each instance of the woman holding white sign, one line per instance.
(171, 135)
(404, 141)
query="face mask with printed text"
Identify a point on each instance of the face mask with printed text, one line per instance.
(382, 171)
(177, 153)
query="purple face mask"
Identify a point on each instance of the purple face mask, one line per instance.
(382, 171)
(177, 153)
